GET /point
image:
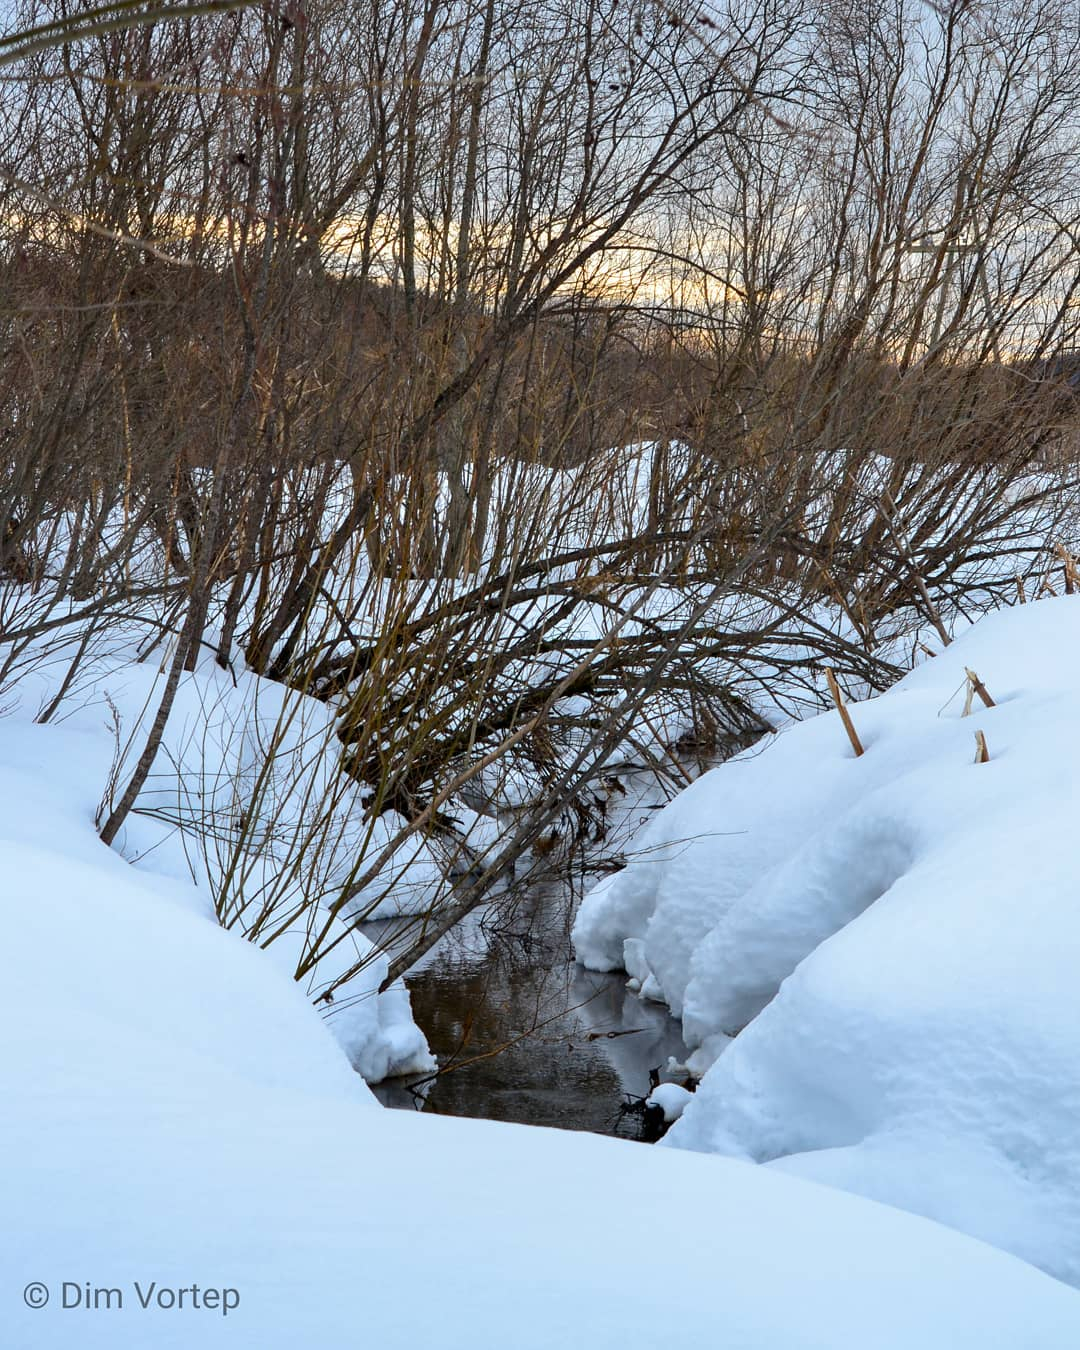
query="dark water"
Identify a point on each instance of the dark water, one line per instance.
(524, 1034)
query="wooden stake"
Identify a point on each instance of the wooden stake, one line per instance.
(982, 754)
(1020, 589)
(845, 716)
(977, 685)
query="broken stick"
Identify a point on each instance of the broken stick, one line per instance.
(845, 716)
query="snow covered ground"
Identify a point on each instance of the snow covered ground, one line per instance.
(179, 1128)
(892, 940)
(243, 763)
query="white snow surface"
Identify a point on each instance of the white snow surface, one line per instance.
(175, 1113)
(893, 941)
(671, 1099)
(234, 746)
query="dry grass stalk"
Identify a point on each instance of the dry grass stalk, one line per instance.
(845, 716)
(1068, 563)
(976, 686)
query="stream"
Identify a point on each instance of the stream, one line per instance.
(523, 1033)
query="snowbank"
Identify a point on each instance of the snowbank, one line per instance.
(893, 941)
(241, 764)
(385, 1229)
(179, 1129)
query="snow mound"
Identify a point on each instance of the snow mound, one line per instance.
(891, 940)
(187, 1159)
(223, 734)
(671, 1099)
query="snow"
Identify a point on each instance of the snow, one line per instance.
(671, 1099)
(234, 747)
(176, 1113)
(891, 940)
(394, 1230)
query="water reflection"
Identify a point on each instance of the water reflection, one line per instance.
(524, 1034)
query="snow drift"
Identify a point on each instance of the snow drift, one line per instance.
(243, 762)
(892, 940)
(176, 1114)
